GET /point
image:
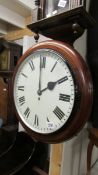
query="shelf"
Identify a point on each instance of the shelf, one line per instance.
(6, 73)
(64, 26)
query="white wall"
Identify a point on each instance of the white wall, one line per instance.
(30, 41)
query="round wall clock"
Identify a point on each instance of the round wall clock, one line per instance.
(52, 91)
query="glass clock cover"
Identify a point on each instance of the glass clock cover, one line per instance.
(44, 91)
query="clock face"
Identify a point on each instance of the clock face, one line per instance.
(44, 91)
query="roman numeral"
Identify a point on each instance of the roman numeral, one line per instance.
(62, 80)
(64, 97)
(36, 121)
(31, 65)
(59, 113)
(24, 75)
(21, 88)
(48, 119)
(43, 62)
(21, 100)
(27, 112)
(54, 66)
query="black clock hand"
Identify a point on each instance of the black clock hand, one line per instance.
(40, 68)
(51, 85)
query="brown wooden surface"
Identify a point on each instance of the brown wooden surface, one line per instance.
(94, 132)
(60, 26)
(93, 136)
(89, 156)
(6, 74)
(56, 159)
(6, 105)
(36, 170)
(18, 34)
(3, 100)
(82, 111)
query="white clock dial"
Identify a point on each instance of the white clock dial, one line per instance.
(44, 91)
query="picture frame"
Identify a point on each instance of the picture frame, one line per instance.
(4, 60)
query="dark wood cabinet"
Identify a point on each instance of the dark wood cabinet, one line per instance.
(66, 26)
(15, 53)
(3, 101)
(9, 57)
(8, 60)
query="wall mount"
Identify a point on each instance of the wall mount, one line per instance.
(66, 26)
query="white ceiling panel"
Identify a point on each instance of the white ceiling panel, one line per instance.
(14, 12)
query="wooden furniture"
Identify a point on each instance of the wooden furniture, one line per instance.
(9, 55)
(93, 136)
(3, 100)
(66, 27)
(56, 159)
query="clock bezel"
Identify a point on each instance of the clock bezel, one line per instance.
(82, 77)
(75, 91)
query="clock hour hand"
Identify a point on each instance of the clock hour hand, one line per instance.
(51, 85)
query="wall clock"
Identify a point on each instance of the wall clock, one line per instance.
(52, 91)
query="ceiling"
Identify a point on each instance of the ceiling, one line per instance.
(13, 14)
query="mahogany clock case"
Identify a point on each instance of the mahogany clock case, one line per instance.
(84, 92)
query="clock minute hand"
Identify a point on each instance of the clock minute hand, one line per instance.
(51, 85)
(40, 68)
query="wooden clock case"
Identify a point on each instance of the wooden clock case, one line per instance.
(83, 103)
(66, 27)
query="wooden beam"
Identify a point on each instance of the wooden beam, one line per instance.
(56, 159)
(28, 20)
(11, 17)
(18, 34)
(3, 29)
(27, 3)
